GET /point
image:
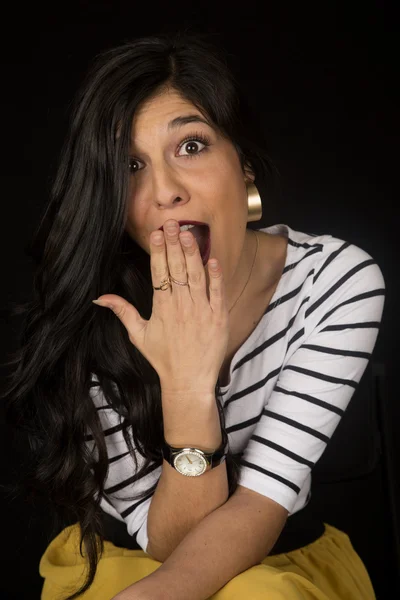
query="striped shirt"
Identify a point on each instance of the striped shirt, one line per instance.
(289, 383)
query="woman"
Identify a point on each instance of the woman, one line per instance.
(178, 429)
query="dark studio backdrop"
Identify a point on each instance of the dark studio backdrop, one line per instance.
(322, 77)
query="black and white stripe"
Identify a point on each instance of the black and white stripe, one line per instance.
(290, 382)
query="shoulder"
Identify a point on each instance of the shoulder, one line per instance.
(328, 277)
(336, 260)
(346, 287)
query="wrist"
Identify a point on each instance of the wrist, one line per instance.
(191, 420)
(189, 403)
(172, 388)
(206, 445)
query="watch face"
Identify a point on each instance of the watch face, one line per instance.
(190, 463)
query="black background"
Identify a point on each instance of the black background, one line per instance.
(322, 76)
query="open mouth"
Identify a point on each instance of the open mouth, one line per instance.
(202, 234)
(203, 239)
(205, 246)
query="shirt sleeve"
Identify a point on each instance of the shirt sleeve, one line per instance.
(318, 378)
(122, 482)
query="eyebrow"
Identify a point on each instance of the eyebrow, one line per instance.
(184, 120)
(180, 121)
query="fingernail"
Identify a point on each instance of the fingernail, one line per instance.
(102, 303)
(171, 228)
(213, 265)
(186, 239)
(157, 238)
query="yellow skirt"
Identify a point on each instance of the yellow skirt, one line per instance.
(327, 569)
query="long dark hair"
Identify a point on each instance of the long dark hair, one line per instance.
(82, 251)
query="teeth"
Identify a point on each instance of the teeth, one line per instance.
(186, 227)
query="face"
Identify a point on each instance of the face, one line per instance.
(175, 174)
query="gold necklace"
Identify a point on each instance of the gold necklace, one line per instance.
(251, 270)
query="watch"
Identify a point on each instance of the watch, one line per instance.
(191, 461)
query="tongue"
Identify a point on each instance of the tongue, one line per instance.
(200, 232)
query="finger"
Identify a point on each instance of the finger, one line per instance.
(194, 265)
(217, 290)
(159, 266)
(127, 314)
(175, 256)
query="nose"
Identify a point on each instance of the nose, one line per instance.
(167, 190)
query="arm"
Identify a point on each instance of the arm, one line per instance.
(204, 562)
(309, 397)
(159, 513)
(319, 376)
(179, 503)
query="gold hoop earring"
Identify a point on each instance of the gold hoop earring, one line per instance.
(254, 203)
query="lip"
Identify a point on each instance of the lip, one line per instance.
(187, 223)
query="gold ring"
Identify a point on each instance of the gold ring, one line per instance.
(179, 282)
(165, 284)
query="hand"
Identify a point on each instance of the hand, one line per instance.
(186, 337)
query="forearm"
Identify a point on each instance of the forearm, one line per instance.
(179, 503)
(230, 540)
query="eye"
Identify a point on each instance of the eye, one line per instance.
(192, 142)
(132, 161)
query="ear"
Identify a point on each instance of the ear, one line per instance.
(249, 175)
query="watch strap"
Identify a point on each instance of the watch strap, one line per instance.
(213, 458)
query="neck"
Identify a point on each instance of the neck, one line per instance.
(241, 282)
